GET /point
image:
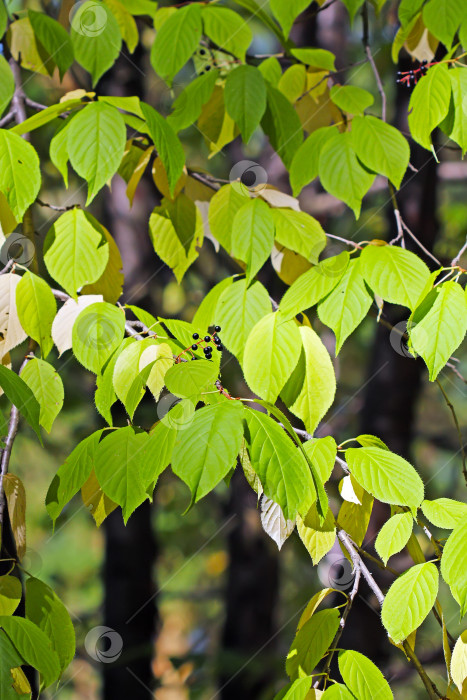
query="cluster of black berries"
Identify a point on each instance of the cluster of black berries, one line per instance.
(207, 349)
(410, 78)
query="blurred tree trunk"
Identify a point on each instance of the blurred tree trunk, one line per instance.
(248, 663)
(131, 549)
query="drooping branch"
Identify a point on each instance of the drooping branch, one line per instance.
(357, 562)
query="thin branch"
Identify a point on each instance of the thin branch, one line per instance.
(366, 46)
(8, 266)
(431, 688)
(348, 606)
(344, 240)
(455, 261)
(54, 207)
(7, 118)
(459, 432)
(6, 452)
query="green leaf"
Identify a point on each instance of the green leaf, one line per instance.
(253, 235)
(340, 171)
(458, 666)
(45, 609)
(105, 396)
(347, 305)
(305, 163)
(442, 329)
(271, 352)
(7, 84)
(207, 449)
(189, 104)
(300, 232)
(459, 90)
(429, 104)
(314, 285)
(298, 690)
(351, 99)
(443, 17)
(394, 535)
(281, 466)
(110, 283)
(21, 396)
(97, 332)
(75, 250)
(322, 453)
(125, 21)
(167, 143)
(34, 646)
(313, 381)
(222, 209)
(176, 41)
(227, 29)
(395, 274)
(47, 386)
(59, 148)
(408, 9)
(10, 594)
(96, 143)
(117, 466)
(176, 232)
(271, 70)
(454, 564)
(353, 6)
(317, 58)
(36, 308)
(190, 379)
(245, 99)
(318, 537)
(239, 309)
(159, 448)
(409, 600)
(205, 315)
(287, 12)
(20, 177)
(282, 125)
(337, 691)
(72, 474)
(390, 478)
(9, 657)
(54, 38)
(130, 374)
(3, 18)
(96, 38)
(311, 643)
(445, 512)
(381, 147)
(362, 677)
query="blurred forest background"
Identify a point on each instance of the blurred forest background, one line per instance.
(223, 601)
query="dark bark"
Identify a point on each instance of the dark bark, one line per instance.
(247, 660)
(128, 581)
(130, 549)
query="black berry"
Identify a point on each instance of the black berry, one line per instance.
(194, 347)
(220, 347)
(216, 339)
(217, 329)
(195, 336)
(209, 357)
(207, 338)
